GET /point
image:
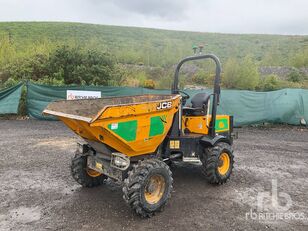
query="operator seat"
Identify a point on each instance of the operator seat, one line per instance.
(199, 105)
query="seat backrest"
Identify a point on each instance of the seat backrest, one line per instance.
(199, 100)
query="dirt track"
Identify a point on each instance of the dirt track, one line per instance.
(38, 193)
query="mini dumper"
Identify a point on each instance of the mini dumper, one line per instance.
(133, 139)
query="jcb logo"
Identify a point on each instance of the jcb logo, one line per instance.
(164, 105)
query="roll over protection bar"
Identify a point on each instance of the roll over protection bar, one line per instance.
(216, 91)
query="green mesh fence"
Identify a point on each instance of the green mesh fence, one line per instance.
(9, 99)
(283, 106)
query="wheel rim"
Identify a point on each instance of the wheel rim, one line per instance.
(154, 189)
(224, 163)
(93, 173)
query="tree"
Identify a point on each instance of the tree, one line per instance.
(248, 77)
(81, 67)
(300, 59)
(7, 50)
(199, 78)
(295, 75)
(65, 65)
(33, 68)
(231, 73)
(241, 75)
(149, 83)
(270, 83)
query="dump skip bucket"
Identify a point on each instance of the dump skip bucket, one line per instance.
(133, 125)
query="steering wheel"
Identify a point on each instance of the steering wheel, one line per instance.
(186, 96)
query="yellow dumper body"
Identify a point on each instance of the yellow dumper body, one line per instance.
(132, 125)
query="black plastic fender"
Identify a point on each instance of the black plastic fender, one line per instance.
(208, 141)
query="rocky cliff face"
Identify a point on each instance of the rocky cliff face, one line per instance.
(190, 69)
(281, 72)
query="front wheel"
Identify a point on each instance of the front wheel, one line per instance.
(83, 175)
(218, 163)
(148, 187)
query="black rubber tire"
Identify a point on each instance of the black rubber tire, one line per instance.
(135, 183)
(210, 162)
(79, 173)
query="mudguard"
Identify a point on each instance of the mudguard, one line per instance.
(208, 141)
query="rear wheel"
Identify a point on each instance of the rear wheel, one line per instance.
(148, 187)
(218, 163)
(83, 175)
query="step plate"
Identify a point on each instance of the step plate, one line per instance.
(191, 159)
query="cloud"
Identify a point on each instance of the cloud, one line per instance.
(225, 16)
(167, 9)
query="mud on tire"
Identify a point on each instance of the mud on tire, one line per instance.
(212, 163)
(140, 179)
(80, 173)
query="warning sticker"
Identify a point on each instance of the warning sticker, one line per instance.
(114, 126)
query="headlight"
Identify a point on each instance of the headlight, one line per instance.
(119, 161)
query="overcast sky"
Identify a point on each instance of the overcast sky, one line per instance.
(226, 16)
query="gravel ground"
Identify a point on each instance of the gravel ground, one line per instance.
(38, 193)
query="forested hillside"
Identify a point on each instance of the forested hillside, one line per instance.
(42, 51)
